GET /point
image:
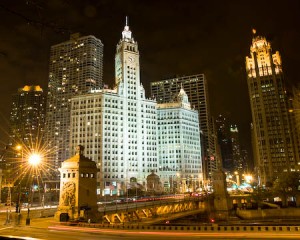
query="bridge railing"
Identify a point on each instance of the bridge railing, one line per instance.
(211, 228)
(149, 210)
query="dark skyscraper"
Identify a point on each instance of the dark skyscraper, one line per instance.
(27, 116)
(76, 67)
(236, 151)
(274, 147)
(224, 142)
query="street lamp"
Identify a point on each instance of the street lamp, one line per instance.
(34, 160)
(19, 149)
(237, 176)
(248, 178)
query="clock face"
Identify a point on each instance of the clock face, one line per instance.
(130, 59)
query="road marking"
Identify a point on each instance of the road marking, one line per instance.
(6, 228)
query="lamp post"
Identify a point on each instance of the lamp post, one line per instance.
(237, 176)
(177, 190)
(33, 161)
(19, 148)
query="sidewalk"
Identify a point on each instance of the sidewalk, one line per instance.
(40, 222)
(43, 223)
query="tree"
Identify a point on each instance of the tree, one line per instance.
(287, 185)
(259, 195)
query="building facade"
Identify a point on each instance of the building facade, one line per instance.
(76, 67)
(118, 127)
(27, 119)
(27, 116)
(238, 164)
(196, 88)
(295, 115)
(274, 149)
(179, 149)
(224, 142)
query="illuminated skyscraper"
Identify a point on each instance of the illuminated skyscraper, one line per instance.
(196, 88)
(27, 116)
(274, 148)
(76, 67)
(179, 150)
(118, 127)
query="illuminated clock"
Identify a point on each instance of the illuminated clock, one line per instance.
(130, 59)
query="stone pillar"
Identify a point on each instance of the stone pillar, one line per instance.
(78, 189)
(221, 198)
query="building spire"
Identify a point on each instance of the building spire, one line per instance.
(126, 34)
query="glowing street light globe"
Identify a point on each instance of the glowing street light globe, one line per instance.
(34, 159)
(248, 178)
(19, 147)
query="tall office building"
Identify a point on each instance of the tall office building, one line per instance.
(294, 113)
(76, 67)
(224, 142)
(118, 127)
(179, 149)
(296, 109)
(245, 160)
(214, 153)
(196, 88)
(273, 142)
(27, 116)
(236, 149)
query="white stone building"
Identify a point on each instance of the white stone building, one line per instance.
(118, 127)
(179, 148)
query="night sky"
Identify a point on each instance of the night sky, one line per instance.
(175, 38)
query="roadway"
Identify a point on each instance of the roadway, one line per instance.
(39, 230)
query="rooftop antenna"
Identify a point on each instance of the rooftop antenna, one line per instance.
(126, 20)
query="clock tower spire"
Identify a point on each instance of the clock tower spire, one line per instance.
(126, 34)
(127, 66)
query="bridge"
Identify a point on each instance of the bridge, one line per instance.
(151, 212)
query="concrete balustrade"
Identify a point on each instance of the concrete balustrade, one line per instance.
(212, 228)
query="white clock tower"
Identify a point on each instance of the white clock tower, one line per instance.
(127, 64)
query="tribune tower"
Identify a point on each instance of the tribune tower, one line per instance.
(274, 148)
